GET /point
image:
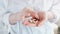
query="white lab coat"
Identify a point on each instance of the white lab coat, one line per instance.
(8, 7)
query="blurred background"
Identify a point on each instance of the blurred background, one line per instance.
(58, 24)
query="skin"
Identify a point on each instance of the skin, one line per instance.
(36, 15)
(26, 12)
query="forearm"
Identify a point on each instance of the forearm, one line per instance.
(15, 17)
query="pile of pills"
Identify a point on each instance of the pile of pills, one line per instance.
(31, 20)
(34, 21)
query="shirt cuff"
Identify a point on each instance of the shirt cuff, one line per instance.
(56, 16)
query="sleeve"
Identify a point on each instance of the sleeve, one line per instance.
(4, 18)
(55, 9)
(4, 15)
(5, 21)
(6, 11)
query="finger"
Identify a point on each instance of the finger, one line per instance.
(27, 9)
(41, 18)
(26, 23)
(31, 12)
(34, 15)
(32, 25)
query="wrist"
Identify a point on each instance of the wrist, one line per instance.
(50, 15)
(12, 19)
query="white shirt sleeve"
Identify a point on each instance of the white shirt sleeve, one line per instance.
(4, 14)
(55, 10)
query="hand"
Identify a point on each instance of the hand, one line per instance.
(19, 15)
(25, 13)
(37, 17)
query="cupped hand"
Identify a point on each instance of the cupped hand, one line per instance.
(37, 19)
